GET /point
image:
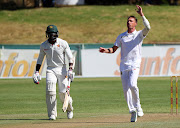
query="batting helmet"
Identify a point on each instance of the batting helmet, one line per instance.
(51, 29)
(52, 33)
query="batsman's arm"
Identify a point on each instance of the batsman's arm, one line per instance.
(40, 59)
(36, 76)
(41, 55)
(38, 66)
(70, 56)
(109, 50)
(71, 66)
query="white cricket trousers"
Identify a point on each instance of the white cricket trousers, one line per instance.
(53, 76)
(131, 91)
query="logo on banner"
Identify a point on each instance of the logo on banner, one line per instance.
(157, 65)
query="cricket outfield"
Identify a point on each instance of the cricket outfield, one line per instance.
(98, 103)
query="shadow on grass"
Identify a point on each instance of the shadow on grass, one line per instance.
(91, 122)
(24, 119)
(83, 122)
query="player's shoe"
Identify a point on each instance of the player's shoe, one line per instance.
(69, 114)
(140, 112)
(134, 116)
(52, 117)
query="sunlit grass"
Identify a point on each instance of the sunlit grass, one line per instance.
(87, 24)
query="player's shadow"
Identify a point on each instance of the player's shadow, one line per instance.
(67, 122)
(91, 122)
(23, 119)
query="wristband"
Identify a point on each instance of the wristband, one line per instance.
(71, 67)
(109, 50)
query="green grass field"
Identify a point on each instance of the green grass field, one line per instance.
(22, 102)
(87, 24)
(98, 102)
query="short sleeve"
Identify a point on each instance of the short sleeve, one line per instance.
(117, 42)
(41, 55)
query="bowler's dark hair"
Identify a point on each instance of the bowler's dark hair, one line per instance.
(133, 17)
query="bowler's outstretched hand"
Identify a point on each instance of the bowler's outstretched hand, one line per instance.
(101, 49)
(139, 10)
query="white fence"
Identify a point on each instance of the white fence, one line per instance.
(21, 63)
(156, 61)
(160, 60)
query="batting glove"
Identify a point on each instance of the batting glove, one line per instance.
(36, 77)
(71, 74)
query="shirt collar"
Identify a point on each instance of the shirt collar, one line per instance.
(133, 33)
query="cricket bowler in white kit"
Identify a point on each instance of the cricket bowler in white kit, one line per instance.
(131, 44)
(55, 49)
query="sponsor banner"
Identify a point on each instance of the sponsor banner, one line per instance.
(17, 63)
(20, 63)
(161, 60)
(96, 64)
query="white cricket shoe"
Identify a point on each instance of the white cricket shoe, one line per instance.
(134, 116)
(140, 112)
(69, 114)
(52, 117)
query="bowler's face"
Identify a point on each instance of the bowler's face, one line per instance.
(131, 23)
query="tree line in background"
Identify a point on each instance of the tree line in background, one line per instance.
(17, 4)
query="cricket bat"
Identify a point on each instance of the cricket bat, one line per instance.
(67, 82)
(66, 99)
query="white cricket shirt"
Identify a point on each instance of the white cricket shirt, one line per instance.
(131, 44)
(55, 53)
